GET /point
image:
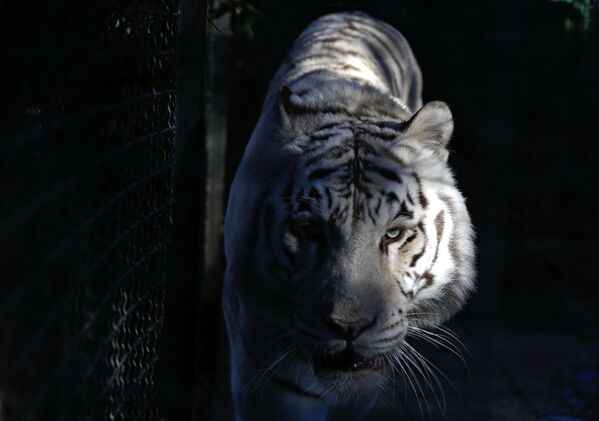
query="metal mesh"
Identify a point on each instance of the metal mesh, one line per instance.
(86, 163)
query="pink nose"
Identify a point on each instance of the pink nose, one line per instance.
(348, 329)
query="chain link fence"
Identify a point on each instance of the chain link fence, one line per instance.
(86, 193)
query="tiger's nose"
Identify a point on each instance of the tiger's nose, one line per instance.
(348, 329)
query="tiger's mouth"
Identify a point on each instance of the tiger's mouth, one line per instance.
(348, 360)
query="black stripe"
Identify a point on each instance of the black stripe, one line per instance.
(344, 194)
(315, 194)
(367, 180)
(389, 155)
(391, 197)
(403, 211)
(373, 215)
(343, 214)
(429, 279)
(410, 239)
(323, 136)
(418, 255)
(396, 126)
(349, 67)
(340, 188)
(330, 126)
(322, 173)
(329, 197)
(449, 203)
(333, 153)
(384, 172)
(334, 211)
(421, 197)
(381, 134)
(330, 39)
(377, 208)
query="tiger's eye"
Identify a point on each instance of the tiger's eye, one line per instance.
(393, 233)
(307, 231)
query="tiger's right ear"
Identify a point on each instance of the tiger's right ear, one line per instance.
(432, 125)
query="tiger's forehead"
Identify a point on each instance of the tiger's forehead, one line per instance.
(349, 138)
(346, 129)
(354, 176)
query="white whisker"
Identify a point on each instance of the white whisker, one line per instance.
(409, 368)
(417, 362)
(437, 369)
(438, 340)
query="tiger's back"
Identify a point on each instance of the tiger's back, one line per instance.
(353, 46)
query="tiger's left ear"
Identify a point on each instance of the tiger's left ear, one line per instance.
(433, 125)
(290, 104)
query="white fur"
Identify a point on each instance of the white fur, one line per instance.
(314, 86)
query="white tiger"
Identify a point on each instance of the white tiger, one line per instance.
(344, 227)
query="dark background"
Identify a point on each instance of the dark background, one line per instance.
(122, 125)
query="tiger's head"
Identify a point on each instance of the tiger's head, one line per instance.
(366, 234)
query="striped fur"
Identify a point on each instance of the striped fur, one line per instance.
(343, 208)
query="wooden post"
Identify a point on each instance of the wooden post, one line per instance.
(217, 65)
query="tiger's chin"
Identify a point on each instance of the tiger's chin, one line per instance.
(350, 375)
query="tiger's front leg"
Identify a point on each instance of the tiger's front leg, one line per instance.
(259, 395)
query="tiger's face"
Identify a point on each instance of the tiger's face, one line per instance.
(371, 238)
